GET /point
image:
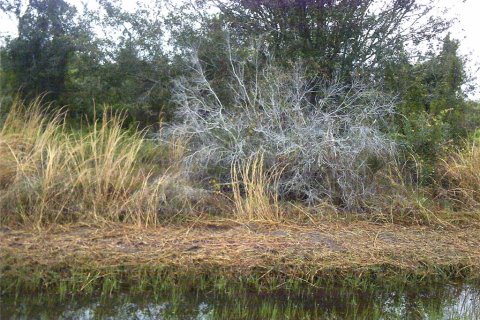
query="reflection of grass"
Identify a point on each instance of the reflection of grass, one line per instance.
(413, 302)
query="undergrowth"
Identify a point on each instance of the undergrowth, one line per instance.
(50, 174)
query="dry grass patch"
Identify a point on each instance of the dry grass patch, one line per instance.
(461, 177)
(239, 250)
(49, 174)
(255, 190)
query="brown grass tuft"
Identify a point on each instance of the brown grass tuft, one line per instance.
(461, 177)
(49, 174)
(255, 190)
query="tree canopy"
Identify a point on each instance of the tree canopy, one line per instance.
(131, 59)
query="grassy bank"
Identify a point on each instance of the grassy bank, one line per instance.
(223, 254)
(103, 207)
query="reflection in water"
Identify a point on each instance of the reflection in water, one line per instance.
(436, 302)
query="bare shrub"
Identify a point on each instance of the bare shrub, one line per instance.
(327, 136)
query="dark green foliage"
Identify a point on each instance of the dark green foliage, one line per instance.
(58, 53)
(132, 72)
(424, 137)
(433, 108)
(335, 38)
(36, 61)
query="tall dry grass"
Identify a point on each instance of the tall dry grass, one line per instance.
(49, 174)
(255, 191)
(453, 199)
(461, 176)
(402, 199)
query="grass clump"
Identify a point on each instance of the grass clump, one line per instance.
(49, 174)
(461, 176)
(259, 200)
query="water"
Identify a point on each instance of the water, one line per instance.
(434, 302)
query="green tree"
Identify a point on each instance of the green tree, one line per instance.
(435, 86)
(129, 71)
(433, 108)
(336, 38)
(37, 59)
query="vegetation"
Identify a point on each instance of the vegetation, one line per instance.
(278, 116)
(51, 175)
(218, 254)
(327, 148)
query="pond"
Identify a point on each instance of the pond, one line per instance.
(432, 302)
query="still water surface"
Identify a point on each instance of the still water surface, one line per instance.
(433, 302)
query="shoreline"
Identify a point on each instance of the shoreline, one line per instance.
(80, 259)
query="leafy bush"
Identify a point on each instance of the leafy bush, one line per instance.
(425, 136)
(326, 137)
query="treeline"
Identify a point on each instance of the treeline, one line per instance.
(130, 58)
(135, 60)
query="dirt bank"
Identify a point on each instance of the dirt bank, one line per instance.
(304, 252)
